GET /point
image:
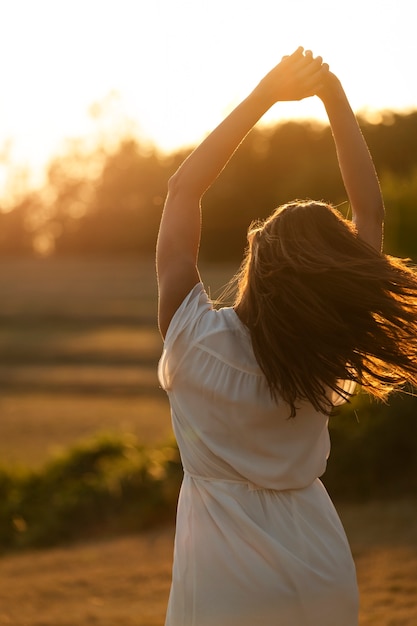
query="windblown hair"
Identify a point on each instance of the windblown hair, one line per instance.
(322, 306)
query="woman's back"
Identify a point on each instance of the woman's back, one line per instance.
(225, 420)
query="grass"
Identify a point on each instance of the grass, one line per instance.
(34, 426)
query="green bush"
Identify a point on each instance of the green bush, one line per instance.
(374, 449)
(112, 485)
(105, 486)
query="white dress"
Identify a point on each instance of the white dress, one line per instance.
(258, 541)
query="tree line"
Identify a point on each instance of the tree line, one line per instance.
(96, 202)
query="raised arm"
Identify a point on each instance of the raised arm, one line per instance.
(295, 77)
(355, 162)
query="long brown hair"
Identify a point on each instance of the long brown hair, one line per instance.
(323, 306)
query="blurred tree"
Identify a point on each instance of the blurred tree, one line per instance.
(124, 210)
(374, 448)
(106, 197)
(400, 195)
(15, 237)
(392, 141)
(292, 160)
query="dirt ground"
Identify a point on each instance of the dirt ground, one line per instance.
(125, 581)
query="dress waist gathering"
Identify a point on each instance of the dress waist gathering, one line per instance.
(251, 486)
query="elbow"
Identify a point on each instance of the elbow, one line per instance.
(181, 185)
(177, 185)
(375, 210)
(173, 183)
(370, 223)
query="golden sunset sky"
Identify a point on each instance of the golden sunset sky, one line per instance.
(171, 69)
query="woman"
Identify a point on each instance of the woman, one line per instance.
(318, 309)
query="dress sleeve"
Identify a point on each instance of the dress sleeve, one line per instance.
(182, 333)
(348, 387)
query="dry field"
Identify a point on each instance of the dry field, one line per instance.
(126, 581)
(78, 352)
(79, 347)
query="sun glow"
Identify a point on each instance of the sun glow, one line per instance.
(178, 67)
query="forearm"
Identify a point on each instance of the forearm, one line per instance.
(203, 166)
(355, 161)
(181, 219)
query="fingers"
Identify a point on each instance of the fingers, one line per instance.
(302, 65)
(290, 58)
(297, 53)
(303, 59)
(312, 69)
(312, 62)
(297, 76)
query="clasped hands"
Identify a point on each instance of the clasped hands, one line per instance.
(297, 76)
